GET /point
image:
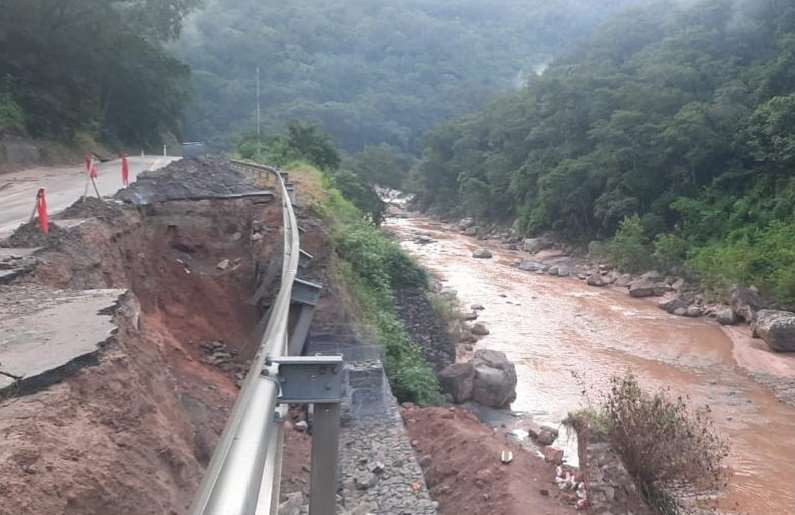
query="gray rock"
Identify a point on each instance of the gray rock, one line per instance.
(482, 254)
(547, 435)
(776, 328)
(365, 480)
(694, 312)
(531, 266)
(623, 280)
(495, 379)
(726, 316)
(469, 316)
(465, 224)
(564, 271)
(595, 280)
(553, 270)
(458, 380)
(471, 231)
(673, 304)
(479, 330)
(366, 508)
(534, 245)
(746, 302)
(293, 505)
(223, 264)
(680, 312)
(643, 288)
(477, 307)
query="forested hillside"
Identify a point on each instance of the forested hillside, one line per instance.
(674, 125)
(368, 71)
(91, 67)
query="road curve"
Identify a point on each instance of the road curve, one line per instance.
(64, 185)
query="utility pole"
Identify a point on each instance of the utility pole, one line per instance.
(259, 117)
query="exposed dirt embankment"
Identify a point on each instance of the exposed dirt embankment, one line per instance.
(462, 465)
(133, 434)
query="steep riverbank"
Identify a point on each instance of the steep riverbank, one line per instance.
(553, 327)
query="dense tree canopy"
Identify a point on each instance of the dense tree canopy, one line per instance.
(681, 114)
(368, 71)
(95, 66)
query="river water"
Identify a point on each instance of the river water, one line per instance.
(553, 328)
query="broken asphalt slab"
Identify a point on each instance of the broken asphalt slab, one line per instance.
(46, 333)
(191, 179)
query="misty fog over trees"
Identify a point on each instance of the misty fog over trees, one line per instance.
(368, 71)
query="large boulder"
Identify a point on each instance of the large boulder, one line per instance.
(495, 379)
(479, 329)
(726, 316)
(746, 302)
(531, 266)
(595, 280)
(465, 224)
(482, 254)
(458, 380)
(777, 328)
(535, 245)
(674, 304)
(642, 288)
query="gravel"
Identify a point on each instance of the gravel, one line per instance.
(188, 179)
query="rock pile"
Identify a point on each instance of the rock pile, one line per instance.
(488, 379)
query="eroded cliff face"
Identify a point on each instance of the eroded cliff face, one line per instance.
(132, 431)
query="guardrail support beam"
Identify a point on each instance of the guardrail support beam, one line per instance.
(325, 450)
(317, 380)
(305, 297)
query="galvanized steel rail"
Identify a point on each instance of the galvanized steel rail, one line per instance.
(243, 475)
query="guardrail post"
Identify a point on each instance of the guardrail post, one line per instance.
(317, 380)
(325, 448)
(305, 297)
(290, 187)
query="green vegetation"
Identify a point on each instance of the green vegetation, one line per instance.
(94, 66)
(305, 142)
(368, 71)
(671, 134)
(12, 118)
(366, 262)
(372, 267)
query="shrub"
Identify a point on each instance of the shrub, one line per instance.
(629, 249)
(12, 118)
(764, 257)
(662, 442)
(669, 251)
(361, 194)
(372, 267)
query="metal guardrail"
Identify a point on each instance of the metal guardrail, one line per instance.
(243, 475)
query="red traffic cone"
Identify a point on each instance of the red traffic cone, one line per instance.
(125, 170)
(41, 210)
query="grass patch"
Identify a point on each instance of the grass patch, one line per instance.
(371, 267)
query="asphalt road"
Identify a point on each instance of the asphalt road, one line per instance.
(63, 186)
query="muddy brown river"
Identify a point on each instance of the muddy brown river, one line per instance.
(555, 327)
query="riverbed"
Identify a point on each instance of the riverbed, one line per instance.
(566, 337)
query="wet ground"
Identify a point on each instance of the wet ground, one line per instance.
(559, 328)
(64, 185)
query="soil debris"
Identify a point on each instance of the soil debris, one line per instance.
(29, 235)
(187, 179)
(461, 458)
(92, 207)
